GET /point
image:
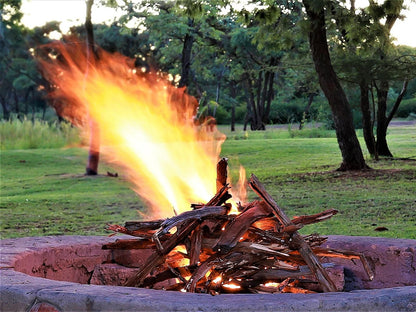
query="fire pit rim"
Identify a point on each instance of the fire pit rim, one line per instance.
(20, 291)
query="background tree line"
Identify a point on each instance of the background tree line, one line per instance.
(257, 65)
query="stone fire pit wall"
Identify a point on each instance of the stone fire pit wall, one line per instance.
(54, 273)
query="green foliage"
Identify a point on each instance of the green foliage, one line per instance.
(26, 134)
(222, 116)
(240, 113)
(406, 108)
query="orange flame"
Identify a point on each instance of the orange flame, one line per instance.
(146, 124)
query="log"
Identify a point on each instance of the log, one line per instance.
(222, 173)
(195, 246)
(315, 218)
(280, 274)
(144, 226)
(130, 244)
(201, 271)
(296, 239)
(159, 255)
(199, 214)
(237, 227)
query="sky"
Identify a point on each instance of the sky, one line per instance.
(72, 12)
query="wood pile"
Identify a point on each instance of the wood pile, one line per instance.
(208, 250)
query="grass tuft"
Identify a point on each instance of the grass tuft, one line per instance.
(26, 134)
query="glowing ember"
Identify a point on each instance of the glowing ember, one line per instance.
(231, 286)
(272, 284)
(146, 125)
(217, 280)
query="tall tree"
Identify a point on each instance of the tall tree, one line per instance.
(391, 13)
(352, 156)
(367, 58)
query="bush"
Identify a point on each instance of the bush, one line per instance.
(240, 113)
(284, 112)
(406, 108)
(222, 116)
(26, 134)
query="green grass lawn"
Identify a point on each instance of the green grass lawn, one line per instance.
(44, 191)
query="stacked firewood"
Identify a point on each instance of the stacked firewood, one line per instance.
(208, 250)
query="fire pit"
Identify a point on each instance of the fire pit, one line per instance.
(153, 126)
(52, 273)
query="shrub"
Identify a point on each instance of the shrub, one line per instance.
(406, 108)
(26, 134)
(222, 116)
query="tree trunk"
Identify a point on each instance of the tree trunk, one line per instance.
(367, 119)
(382, 124)
(269, 90)
(186, 57)
(352, 156)
(94, 148)
(5, 107)
(16, 105)
(398, 101)
(233, 93)
(252, 113)
(250, 99)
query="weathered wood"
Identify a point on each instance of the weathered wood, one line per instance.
(143, 225)
(318, 217)
(281, 274)
(195, 246)
(236, 228)
(222, 173)
(297, 241)
(199, 214)
(159, 255)
(201, 271)
(129, 244)
(121, 229)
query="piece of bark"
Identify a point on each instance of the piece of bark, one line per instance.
(281, 274)
(318, 217)
(198, 214)
(222, 173)
(297, 240)
(144, 226)
(195, 245)
(143, 232)
(249, 247)
(239, 226)
(128, 244)
(201, 271)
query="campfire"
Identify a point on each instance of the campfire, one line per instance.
(208, 250)
(217, 242)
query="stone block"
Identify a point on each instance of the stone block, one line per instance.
(111, 274)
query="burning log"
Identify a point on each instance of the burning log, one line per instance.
(296, 239)
(237, 227)
(212, 251)
(186, 228)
